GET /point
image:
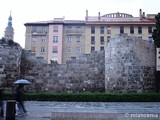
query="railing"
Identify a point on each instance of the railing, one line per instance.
(39, 33)
(73, 31)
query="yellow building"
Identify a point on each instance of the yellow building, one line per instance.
(100, 29)
(61, 39)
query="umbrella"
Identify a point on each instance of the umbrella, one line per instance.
(22, 82)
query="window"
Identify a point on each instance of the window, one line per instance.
(92, 40)
(108, 30)
(34, 39)
(55, 28)
(132, 29)
(43, 29)
(69, 50)
(102, 40)
(149, 30)
(78, 29)
(55, 49)
(33, 49)
(69, 39)
(121, 29)
(78, 50)
(92, 49)
(34, 29)
(69, 30)
(101, 48)
(55, 39)
(92, 29)
(108, 38)
(102, 30)
(150, 38)
(42, 49)
(43, 40)
(78, 39)
(139, 30)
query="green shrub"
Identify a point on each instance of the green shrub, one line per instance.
(92, 97)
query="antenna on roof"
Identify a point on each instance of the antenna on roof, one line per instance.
(10, 12)
(86, 15)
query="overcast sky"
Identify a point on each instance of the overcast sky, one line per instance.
(24, 11)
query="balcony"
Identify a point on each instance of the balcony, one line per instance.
(102, 42)
(74, 32)
(39, 33)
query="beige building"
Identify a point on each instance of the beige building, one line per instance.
(56, 40)
(73, 39)
(61, 39)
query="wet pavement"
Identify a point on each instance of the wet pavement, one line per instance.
(42, 110)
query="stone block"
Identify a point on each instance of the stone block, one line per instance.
(1, 69)
(2, 75)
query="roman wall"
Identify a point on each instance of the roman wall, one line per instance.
(82, 74)
(10, 59)
(129, 64)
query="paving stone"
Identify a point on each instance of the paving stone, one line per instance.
(45, 110)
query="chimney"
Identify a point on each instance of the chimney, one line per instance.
(99, 15)
(86, 15)
(140, 13)
(144, 15)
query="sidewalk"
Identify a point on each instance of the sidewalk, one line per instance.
(42, 110)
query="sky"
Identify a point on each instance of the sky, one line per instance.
(24, 11)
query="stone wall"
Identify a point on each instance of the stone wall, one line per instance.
(129, 64)
(10, 59)
(85, 73)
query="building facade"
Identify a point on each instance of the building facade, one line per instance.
(60, 39)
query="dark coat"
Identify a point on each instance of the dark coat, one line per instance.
(19, 94)
(1, 95)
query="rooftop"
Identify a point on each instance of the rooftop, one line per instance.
(111, 18)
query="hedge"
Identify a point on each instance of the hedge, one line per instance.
(91, 97)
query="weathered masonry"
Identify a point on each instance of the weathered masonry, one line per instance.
(127, 65)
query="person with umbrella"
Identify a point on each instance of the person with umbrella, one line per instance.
(19, 96)
(20, 100)
(1, 103)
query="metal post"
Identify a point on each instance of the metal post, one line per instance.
(10, 110)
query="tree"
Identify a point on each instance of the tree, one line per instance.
(156, 31)
(10, 42)
(156, 38)
(3, 40)
(54, 62)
